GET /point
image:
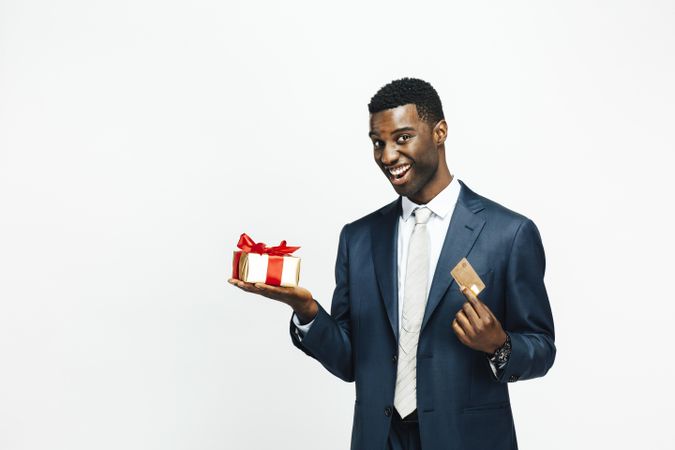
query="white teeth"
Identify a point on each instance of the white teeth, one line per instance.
(399, 170)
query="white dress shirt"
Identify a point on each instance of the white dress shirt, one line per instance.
(442, 207)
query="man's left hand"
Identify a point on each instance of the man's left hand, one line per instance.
(476, 326)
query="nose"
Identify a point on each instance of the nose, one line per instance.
(389, 155)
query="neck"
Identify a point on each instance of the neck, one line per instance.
(436, 184)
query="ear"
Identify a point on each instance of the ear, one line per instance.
(440, 132)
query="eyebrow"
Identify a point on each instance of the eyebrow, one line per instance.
(395, 131)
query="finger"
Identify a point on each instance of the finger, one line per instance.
(248, 287)
(472, 314)
(276, 292)
(459, 331)
(465, 324)
(484, 311)
(475, 301)
(271, 288)
(238, 283)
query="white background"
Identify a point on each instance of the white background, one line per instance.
(139, 139)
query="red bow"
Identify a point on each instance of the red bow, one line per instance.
(249, 246)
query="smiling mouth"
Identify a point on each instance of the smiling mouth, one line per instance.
(398, 172)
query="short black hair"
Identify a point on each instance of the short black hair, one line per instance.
(409, 90)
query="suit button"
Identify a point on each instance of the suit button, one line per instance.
(513, 378)
(395, 358)
(387, 411)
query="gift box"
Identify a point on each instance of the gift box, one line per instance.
(256, 262)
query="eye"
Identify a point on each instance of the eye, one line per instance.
(406, 136)
(376, 144)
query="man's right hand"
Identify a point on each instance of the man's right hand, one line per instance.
(298, 298)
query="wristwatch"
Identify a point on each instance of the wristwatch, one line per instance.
(501, 355)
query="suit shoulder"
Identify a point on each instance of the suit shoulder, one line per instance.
(505, 223)
(502, 214)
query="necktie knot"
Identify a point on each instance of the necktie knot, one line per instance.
(422, 214)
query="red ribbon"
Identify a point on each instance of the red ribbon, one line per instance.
(249, 246)
(275, 263)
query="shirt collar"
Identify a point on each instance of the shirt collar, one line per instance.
(439, 205)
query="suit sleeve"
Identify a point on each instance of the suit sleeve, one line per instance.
(528, 318)
(328, 340)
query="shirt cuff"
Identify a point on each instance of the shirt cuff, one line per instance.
(303, 328)
(495, 368)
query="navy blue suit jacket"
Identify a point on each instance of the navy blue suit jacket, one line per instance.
(460, 403)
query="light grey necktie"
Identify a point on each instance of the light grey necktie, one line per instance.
(414, 303)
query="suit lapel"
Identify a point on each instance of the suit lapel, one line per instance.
(384, 238)
(463, 230)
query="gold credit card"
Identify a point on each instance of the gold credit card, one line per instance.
(464, 275)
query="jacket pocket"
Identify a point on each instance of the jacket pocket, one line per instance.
(494, 417)
(485, 408)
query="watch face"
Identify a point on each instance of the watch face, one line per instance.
(501, 356)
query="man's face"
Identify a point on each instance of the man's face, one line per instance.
(404, 143)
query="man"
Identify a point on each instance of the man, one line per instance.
(430, 359)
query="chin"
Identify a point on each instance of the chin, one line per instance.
(405, 191)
